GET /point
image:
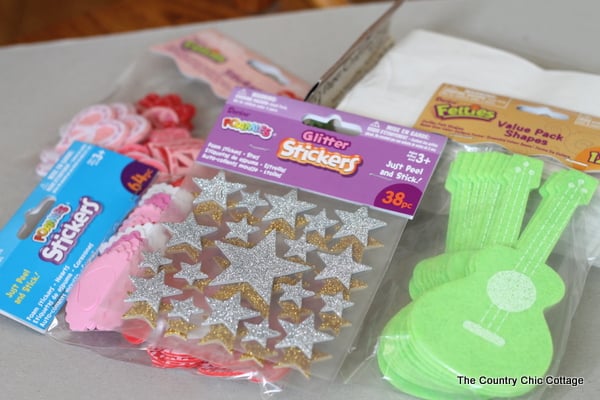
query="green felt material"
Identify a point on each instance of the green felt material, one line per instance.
(503, 186)
(471, 181)
(480, 312)
(522, 175)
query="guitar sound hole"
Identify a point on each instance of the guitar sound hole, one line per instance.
(511, 291)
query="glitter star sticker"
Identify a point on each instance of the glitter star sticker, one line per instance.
(295, 293)
(257, 266)
(319, 222)
(302, 335)
(228, 313)
(187, 232)
(341, 266)
(191, 273)
(358, 224)
(152, 290)
(153, 260)
(216, 189)
(184, 309)
(286, 207)
(336, 304)
(240, 230)
(259, 332)
(251, 201)
(299, 247)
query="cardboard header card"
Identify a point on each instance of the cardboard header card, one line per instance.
(472, 116)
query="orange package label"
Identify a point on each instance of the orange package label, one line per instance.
(471, 116)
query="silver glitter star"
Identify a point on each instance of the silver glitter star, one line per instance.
(357, 223)
(257, 266)
(251, 200)
(216, 189)
(295, 293)
(319, 222)
(286, 207)
(228, 312)
(185, 309)
(240, 230)
(299, 247)
(340, 266)
(151, 290)
(335, 304)
(302, 335)
(153, 260)
(191, 273)
(188, 231)
(259, 332)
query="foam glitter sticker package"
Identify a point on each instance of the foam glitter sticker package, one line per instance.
(296, 211)
(50, 239)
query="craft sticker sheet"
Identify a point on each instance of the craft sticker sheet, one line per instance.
(58, 229)
(261, 277)
(296, 213)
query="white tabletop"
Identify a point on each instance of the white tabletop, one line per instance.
(42, 85)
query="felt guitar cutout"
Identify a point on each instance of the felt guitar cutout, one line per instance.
(403, 367)
(490, 323)
(501, 203)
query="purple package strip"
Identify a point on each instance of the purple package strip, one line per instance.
(326, 151)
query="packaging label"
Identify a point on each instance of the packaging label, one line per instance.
(224, 64)
(322, 150)
(471, 116)
(57, 230)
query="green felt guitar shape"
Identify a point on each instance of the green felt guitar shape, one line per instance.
(498, 210)
(491, 322)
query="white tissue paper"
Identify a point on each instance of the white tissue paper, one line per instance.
(399, 87)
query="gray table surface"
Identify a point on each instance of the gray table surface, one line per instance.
(42, 85)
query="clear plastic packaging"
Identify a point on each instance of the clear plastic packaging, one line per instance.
(500, 334)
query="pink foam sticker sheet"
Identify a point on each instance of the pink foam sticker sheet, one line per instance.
(96, 301)
(157, 130)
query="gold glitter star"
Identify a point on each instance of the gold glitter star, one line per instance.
(356, 284)
(179, 327)
(349, 241)
(219, 334)
(189, 251)
(295, 358)
(247, 293)
(333, 323)
(200, 285)
(279, 225)
(292, 312)
(142, 310)
(255, 352)
(209, 209)
(321, 242)
(285, 280)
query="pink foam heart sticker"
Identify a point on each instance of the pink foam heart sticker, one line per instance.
(139, 128)
(93, 115)
(168, 135)
(161, 117)
(121, 110)
(110, 134)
